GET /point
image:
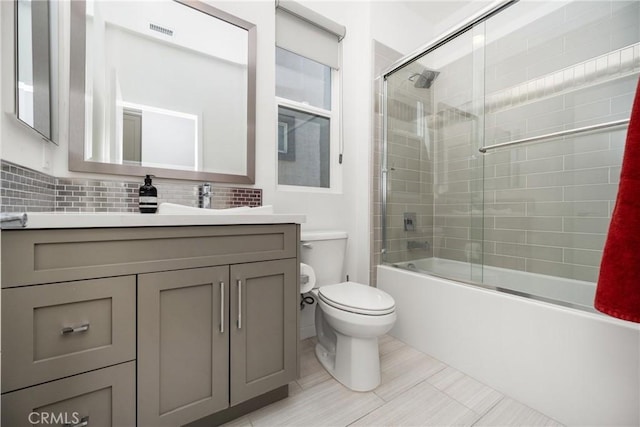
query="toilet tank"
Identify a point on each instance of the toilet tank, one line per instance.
(324, 251)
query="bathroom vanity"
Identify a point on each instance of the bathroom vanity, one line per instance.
(148, 325)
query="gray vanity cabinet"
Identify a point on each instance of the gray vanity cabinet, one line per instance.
(183, 345)
(104, 398)
(263, 327)
(213, 311)
(61, 329)
(200, 328)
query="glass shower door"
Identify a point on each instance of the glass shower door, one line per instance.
(555, 67)
(433, 172)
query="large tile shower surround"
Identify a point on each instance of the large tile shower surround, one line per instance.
(542, 208)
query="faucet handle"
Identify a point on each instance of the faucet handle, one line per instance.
(205, 195)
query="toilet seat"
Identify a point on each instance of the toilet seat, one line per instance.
(357, 298)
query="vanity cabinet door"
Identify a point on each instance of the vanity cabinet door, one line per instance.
(263, 327)
(183, 345)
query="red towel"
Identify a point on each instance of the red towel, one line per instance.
(618, 292)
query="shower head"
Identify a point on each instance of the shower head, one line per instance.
(425, 79)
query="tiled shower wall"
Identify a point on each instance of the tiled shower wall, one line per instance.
(25, 190)
(548, 204)
(410, 176)
(543, 207)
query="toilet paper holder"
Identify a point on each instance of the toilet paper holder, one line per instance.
(304, 279)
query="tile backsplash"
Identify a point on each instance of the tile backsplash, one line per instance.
(22, 188)
(26, 190)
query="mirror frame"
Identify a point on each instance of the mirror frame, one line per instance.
(43, 63)
(77, 161)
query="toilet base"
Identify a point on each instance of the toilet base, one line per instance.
(357, 365)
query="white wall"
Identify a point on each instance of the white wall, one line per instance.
(20, 144)
(398, 27)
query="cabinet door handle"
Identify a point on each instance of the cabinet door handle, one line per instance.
(74, 330)
(222, 307)
(84, 422)
(239, 304)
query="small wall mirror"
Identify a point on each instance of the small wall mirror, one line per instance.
(33, 65)
(163, 87)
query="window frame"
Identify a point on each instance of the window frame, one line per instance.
(333, 115)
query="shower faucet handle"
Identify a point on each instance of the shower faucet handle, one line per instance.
(410, 221)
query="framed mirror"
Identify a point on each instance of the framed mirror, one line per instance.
(33, 65)
(164, 88)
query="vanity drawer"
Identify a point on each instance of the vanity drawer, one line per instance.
(57, 330)
(105, 397)
(61, 255)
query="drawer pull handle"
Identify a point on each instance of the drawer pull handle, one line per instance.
(239, 304)
(74, 330)
(222, 307)
(84, 422)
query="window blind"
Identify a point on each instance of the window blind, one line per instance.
(307, 33)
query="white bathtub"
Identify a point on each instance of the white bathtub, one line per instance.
(568, 292)
(580, 368)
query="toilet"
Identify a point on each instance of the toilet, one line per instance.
(349, 316)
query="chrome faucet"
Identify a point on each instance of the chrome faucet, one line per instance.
(205, 195)
(13, 220)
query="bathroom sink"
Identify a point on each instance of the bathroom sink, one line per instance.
(175, 209)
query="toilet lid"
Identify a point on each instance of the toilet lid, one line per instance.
(357, 298)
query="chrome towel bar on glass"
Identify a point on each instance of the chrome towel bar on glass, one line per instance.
(558, 134)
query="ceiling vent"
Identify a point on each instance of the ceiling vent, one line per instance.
(163, 30)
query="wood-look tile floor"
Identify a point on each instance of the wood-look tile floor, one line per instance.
(416, 390)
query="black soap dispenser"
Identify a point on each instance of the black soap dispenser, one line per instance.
(148, 197)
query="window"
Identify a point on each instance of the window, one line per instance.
(307, 88)
(305, 121)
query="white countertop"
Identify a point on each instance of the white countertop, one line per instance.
(37, 220)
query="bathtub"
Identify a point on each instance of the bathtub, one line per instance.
(581, 368)
(556, 290)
